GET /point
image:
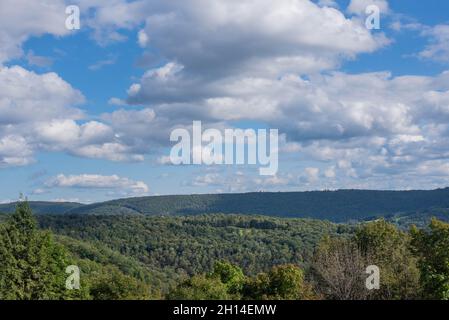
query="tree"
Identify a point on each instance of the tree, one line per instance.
(283, 282)
(200, 287)
(432, 248)
(32, 265)
(337, 268)
(111, 284)
(385, 246)
(231, 275)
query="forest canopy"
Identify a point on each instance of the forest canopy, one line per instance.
(218, 256)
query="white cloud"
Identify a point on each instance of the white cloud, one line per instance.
(26, 96)
(327, 3)
(134, 89)
(68, 200)
(273, 38)
(110, 151)
(359, 6)
(14, 151)
(21, 19)
(39, 112)
(110, 60)
(345, 126)
(209, 179)
(39, 61)
(438, 47)
(96, 181)
(311, 174)
(330, 172)
(116, 102)
(39, 191)
(142, 38)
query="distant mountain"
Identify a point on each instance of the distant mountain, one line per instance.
(337, 206)
(43, 207)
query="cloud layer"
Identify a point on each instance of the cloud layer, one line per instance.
(122, 186)
(272, 63)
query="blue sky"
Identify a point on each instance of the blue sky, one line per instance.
(86, 115)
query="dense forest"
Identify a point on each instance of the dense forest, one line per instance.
(218, 256)
(336, 206)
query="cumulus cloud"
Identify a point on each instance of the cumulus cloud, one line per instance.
(311, 174)
(14, 151)
(96, 181)
(273, 38)
(362, 126)
(226, 62)
(40, 112)
(21, 19)
(27, 96)
(200, 72)
(438, 47)
(379, 124)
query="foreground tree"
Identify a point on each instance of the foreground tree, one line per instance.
(230, 275)
(337, 269)
(200, 287)
(111, 284)
(432, 248)
(387, 247)
(32, 265)
(284, 282)
(339, 264)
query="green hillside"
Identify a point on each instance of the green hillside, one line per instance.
(219, 256)
(337, 206)
(42, 207)
(179, 246)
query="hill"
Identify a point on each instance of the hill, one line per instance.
(337, 206)
(42, 207)
(169, 248)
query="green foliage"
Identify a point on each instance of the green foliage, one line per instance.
(232, 276)
(284, 282)
(339, 264)
(181, 246)
(217, 256)
(432, 248)
(339, 206)
(111, 284)
(419, 218)
(383, 245)
(200, 287)
(32, 265)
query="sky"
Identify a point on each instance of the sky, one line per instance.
(86, 115)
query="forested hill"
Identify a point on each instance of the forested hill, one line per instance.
(43, 207)
(338, 206)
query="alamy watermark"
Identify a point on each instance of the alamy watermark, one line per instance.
(226, 147)
(72, 22)
(372, 20)
(73, 280)
(372, 282)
